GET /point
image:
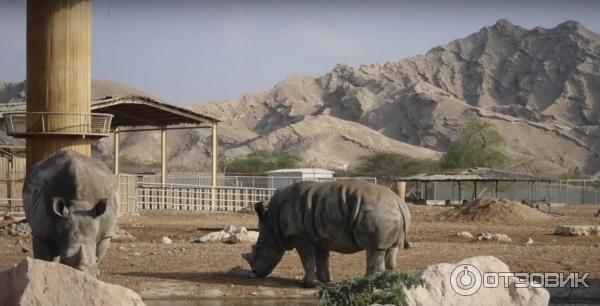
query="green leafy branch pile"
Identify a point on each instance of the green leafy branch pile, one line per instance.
(384, 288)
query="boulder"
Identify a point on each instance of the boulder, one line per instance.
(441, 292)
(37, 282)
(229, 234)
(465, 235)
(527, 241)
(166, 240)
(494, 237)
(577, 230)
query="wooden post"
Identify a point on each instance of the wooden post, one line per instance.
(117, 139)
(459, 193)
(58, 71)
(214, 155)
(163, 155)
(474, 190)
(214, 166)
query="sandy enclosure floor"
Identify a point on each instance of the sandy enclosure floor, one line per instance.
(155, 269)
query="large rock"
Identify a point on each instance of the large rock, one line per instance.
(230, 234)
(577, 230)
(37, 282)
(441, 292)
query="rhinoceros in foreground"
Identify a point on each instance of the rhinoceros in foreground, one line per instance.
(70, 201)
(315, 218)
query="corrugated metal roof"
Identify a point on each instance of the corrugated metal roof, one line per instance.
(131, 110)
(302, 170)
(474, 174)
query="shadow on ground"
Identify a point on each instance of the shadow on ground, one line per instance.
(222, 278)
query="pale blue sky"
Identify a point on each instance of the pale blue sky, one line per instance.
(187, 51)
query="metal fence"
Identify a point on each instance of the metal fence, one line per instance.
(560, 192)
(242, 181)
(152, 196)
(13, 206)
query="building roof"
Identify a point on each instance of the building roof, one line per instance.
(132, 110)
(474, 174)
(301, 170)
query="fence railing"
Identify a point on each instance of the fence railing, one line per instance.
(14, 206)
(243, 181)
(152, 196)
(20, 124)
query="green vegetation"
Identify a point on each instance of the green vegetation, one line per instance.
(390, 164)
(480, 145)
(261, 161)
(573, 174)
(384, 288)
(128, 165)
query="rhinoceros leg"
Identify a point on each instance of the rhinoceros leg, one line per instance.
(323, 265)
(390, 258)
(44, 250)
(306, 250)
(375, 262)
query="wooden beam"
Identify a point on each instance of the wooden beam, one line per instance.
(59, 36)
(116, 150)
(214, 165)
(163, 156)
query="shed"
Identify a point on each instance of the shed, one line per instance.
(130, 113)
(284, 177)
(425, 186)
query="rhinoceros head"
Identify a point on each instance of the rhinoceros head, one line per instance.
(78, 230)
(267, 252)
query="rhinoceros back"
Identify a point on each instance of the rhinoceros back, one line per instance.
(344, 216)
(69, 175)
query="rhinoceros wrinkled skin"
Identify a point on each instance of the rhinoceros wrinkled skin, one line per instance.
(70, 201)
(316, 218)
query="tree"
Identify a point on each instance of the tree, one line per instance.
(261, 161)
(391, 164)
(480, 145)
(573, 174)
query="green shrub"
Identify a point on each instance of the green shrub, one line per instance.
(261, 161)
(384, 288)
(573, 174)
(480, 145)
(390, 164)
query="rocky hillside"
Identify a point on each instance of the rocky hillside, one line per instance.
(540, 87)
(100, 88)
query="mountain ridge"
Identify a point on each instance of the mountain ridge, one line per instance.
(540, 87)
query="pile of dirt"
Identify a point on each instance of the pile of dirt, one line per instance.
(493, 211)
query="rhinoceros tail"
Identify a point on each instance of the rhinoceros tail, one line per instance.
(406, 243)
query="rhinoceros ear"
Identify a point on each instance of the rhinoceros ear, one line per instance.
(100, 207)
(259, 207)
(60, 207)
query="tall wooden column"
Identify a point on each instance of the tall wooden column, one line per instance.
(58, 70)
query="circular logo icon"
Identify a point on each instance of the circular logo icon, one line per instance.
(465, 280)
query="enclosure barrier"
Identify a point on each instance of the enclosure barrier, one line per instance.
(22, 124)
(13, 206)
(151, 196)
(243, 181)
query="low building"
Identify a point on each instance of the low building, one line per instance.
(284, 177)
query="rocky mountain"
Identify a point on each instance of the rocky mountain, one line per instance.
(100, 88)
(540, 88)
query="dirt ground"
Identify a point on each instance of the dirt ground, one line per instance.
(155, 269)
